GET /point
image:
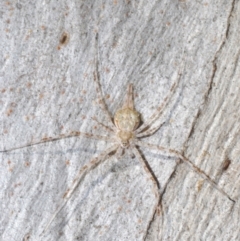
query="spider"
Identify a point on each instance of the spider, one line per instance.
(126, 132)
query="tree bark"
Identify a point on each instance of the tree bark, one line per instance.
(49, 54)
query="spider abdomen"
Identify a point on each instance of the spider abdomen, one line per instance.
(127, 120)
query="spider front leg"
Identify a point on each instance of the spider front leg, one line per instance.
(174, 153)
(82, 173)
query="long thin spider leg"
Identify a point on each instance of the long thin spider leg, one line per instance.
(174, 153)
(52, 139)
(157, 113)
(155, 183)
(104, 126)
(98, 87)
(149, 132)
(82, 173)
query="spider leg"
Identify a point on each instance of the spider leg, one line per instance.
(149, 132)
(158, 112)
(98, 88)
(160, 108)
(82, 173)
(104, 126)
(62, 136)
(149, 172)
(174, 153)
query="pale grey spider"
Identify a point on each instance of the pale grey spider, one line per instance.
(126, 134)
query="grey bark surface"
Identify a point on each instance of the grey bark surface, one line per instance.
(47, 89)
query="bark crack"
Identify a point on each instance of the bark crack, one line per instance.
(214, 68)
